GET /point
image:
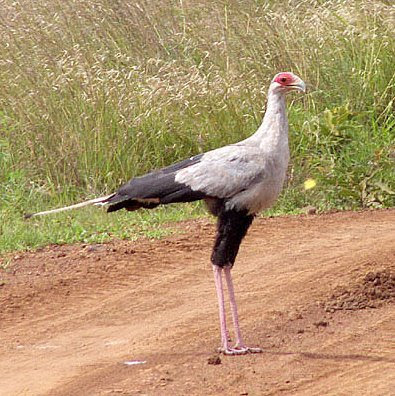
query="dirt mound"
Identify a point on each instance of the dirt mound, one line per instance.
(372, 290)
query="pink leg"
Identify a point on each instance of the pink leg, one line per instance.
(221, 305)
(240, 347)
(233, 307)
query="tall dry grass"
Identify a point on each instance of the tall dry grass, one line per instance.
(94, 92)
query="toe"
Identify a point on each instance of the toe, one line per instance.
(239, 350)
(254, 350)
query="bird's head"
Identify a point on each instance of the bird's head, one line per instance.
(286, 81)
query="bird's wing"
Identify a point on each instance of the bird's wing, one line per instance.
(154, 188)
(224, 172)
(221, 173)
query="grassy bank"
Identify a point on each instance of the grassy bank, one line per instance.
(94, 92)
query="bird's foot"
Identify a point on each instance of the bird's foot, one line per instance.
(237, 350)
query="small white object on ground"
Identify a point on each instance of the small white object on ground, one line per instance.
(134, 362)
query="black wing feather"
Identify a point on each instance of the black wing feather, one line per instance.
(155, 188)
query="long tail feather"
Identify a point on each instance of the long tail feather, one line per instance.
(95, 201)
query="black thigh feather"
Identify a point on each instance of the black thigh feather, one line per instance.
(232, 226)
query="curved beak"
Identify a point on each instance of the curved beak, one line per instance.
(298, 86)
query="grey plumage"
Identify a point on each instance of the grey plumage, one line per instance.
(219, 174)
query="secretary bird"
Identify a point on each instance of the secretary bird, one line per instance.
(235, 181)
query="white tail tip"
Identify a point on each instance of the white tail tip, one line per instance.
(95, 201)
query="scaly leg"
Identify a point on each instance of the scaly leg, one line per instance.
(240, 348)
(221, 305)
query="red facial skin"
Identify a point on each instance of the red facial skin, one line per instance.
(284, 79)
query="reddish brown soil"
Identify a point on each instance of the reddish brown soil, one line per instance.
(315, 292)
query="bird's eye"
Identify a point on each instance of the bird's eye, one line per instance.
(283, 79)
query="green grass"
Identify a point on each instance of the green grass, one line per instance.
(90, 226)
(92, 93)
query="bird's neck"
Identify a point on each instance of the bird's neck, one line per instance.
(272, 135)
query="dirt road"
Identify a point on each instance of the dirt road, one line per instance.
(316, 293)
